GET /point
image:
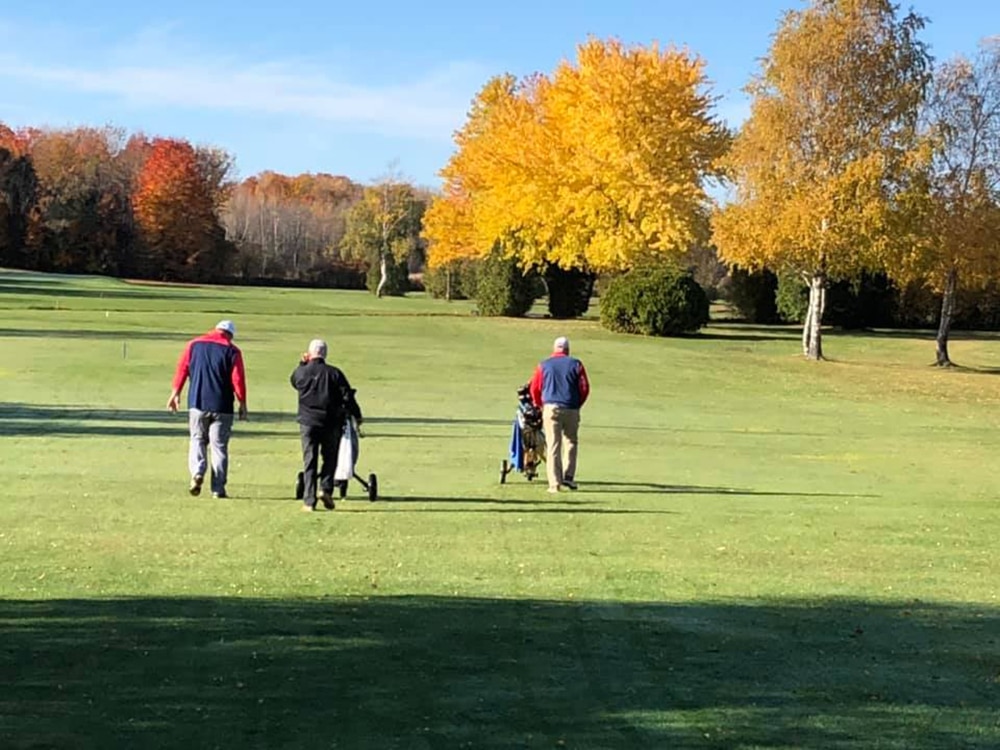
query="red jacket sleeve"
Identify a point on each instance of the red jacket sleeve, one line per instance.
(584, 385)
(535, 387)
(239, 378)
(183, 368)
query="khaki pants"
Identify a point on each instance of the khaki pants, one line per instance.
(561, 429)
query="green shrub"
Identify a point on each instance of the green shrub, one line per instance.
(657, 301)
(461, 285)
(869, 301)
(752, 294)
(397, 283)
(569, 291)
(792, 298)
(503, 289)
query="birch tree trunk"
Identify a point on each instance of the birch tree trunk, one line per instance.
(383, 266)
(947, 315)
(812, 332)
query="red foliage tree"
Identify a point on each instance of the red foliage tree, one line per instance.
(174, 212)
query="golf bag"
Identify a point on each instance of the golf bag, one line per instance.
(527, 443)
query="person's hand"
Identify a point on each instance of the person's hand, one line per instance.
(304, 359)
(243, 413)
(173, 402)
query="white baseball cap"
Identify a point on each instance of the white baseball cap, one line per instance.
(226, 325)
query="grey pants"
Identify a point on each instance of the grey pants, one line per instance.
(210, 427)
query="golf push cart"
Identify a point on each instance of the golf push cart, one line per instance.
(527, 443)
(347, 456)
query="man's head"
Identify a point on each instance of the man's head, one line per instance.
(317, 349)
(227, 327)
(561, 344)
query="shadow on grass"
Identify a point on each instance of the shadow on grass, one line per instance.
(77, 419)
(740, 336)
(425, 672)
(65, 289)
(22, 419)
(552, 505)
(118, 335)
(693, 489)
(436, 421)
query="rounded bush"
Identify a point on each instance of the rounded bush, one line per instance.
(569, 291)
(792, 298)
(752, 294)
(654, 302)
(503, 289)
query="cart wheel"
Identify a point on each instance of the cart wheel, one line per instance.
(342, 489)
(503, 471)
(530, 475)
(300, 486)
(372, 487)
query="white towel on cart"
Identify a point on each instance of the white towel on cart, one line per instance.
(347, 453)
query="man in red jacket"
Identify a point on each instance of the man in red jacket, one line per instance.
(215, 365)
(560, 387)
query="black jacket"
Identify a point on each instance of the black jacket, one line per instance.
(325, 396)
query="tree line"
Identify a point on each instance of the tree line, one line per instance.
(96, 200)
(860, 156)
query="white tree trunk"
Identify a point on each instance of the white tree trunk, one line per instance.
(807, 327)
(947, 315)
(812, 331)
(384, 271)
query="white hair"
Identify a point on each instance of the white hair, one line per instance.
(317, 348)
(561, 344)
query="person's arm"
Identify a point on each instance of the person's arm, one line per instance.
(535, 386)
(239, 379)
(180, 377)
(583, 384)
(295, 377)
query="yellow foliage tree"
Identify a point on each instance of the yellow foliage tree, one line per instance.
(818, 165)
(603, 162)
(957, 195)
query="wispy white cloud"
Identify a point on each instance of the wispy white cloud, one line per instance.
(156, 68)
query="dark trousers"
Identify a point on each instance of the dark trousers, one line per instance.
(319, 442)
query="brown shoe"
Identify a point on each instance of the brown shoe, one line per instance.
(327, 499)
(195, 487)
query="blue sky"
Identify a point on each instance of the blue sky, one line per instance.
(348, 87)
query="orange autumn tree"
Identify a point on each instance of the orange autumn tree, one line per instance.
(18, 194)
(599, 165)
(83, 198)
(175, 213)
(819, 164)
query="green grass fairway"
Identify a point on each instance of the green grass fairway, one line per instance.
(763, 553)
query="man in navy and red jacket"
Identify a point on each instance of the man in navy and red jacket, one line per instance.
(215, 365)
(560, 387)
